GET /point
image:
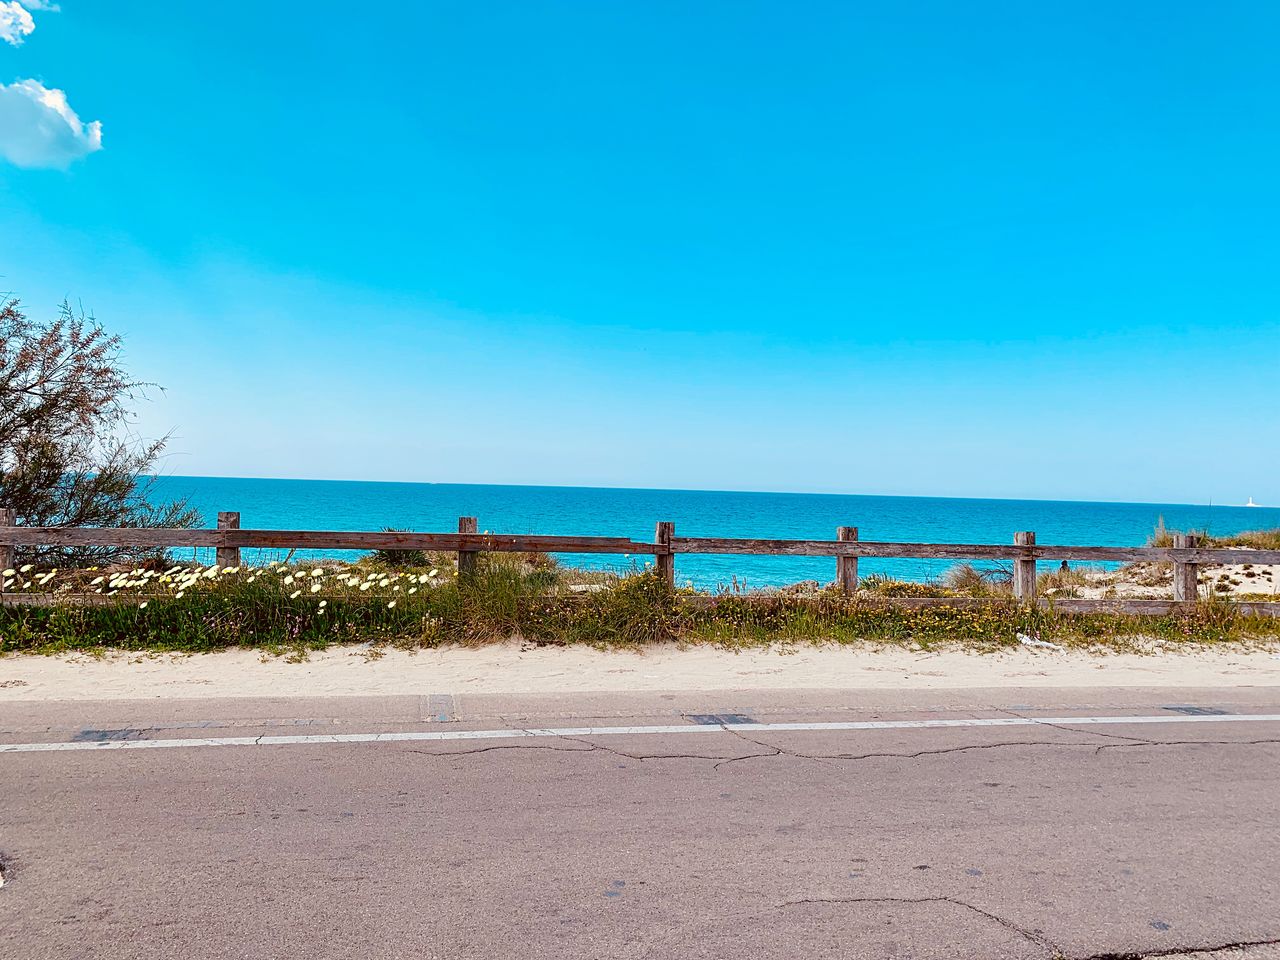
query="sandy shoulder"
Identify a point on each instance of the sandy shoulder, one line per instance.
(509, 669)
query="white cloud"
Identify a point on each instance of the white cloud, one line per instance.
(38, 128)
(15, 23)
(41, 5)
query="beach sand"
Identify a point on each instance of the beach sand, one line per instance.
(513, 669)
(1150, 581)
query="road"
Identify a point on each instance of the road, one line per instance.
(645, 826)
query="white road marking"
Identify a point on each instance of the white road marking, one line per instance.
(682, 728)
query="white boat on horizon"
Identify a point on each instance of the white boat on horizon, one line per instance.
(1252, 504)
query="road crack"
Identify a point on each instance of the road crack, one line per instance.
(584, 746)
(495, 747)
(1184, 743)
(821, 757)
(1034, 936)
(777, 750)
(1068, 729)
(641, 757)
(1180, 951)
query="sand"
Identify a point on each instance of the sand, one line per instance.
(512, 669)
(1148, 581)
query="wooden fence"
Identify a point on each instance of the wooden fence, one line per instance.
(1186, 555)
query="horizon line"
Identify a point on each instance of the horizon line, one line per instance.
(782, 493)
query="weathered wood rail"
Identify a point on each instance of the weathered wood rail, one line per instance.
(1186, 556)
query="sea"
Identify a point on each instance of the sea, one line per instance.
(274, 504)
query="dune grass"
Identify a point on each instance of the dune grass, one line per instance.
(1269, 539)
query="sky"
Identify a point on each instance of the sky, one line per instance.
(987, 249)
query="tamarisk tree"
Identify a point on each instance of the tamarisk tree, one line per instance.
(68, 454)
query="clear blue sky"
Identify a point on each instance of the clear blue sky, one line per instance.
(1020, 249)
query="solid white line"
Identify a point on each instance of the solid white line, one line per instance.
(682, 728)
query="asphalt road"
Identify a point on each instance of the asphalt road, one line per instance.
(1075, 839)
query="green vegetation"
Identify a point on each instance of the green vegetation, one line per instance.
(1257, 539)
(282, 608)
(1162, 536)
(967, 580)
(406, 559)
(989, 627)
(1065, 582)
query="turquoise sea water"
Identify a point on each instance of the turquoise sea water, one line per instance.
(353, 505)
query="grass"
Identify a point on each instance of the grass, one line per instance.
(401, 559)
(1257, 539)
(1162, 536)
(967, 580)
(1066, 581)
(284, 607)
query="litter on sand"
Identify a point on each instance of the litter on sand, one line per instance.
(1038, 643)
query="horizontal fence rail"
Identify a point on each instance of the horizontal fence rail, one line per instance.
(319, 540)
(1186, 556)
(970, 551)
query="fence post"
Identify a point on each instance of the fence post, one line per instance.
(8, 517)
(467, 558)
(228, 556)
(847, 567)
(1186, 576)
(1024, 569)
(663, 534)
